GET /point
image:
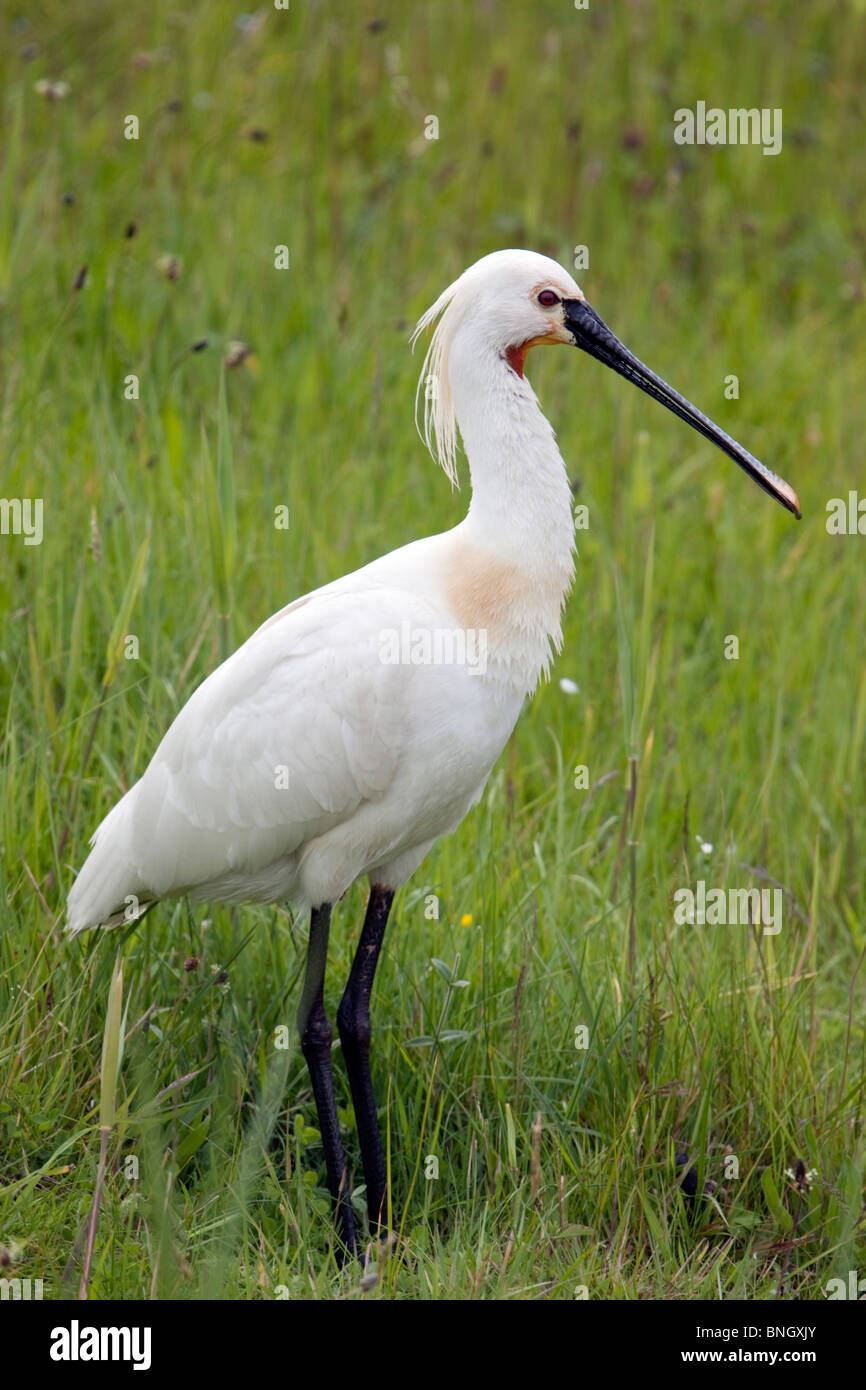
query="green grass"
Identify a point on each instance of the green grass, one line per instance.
(555, 129)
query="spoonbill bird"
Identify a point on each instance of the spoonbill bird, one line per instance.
(323, 750)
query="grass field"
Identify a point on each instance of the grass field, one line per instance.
(305, 128)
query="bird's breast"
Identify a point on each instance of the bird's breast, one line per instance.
(518, 609)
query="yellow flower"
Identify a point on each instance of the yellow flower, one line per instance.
(466, 919)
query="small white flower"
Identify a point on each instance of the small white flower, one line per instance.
(569, 687)
(805, 1180)
(51, 90)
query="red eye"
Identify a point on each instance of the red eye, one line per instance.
(548, 298)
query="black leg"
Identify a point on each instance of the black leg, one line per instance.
(353, 1021)
(315, 1031)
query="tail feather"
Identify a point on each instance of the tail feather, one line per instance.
(107, 891)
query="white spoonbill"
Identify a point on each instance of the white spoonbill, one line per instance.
(362, 721)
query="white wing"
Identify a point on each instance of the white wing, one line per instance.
(285, 739)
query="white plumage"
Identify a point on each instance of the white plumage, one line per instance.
(362, 722)
(301, 763)
(306, 760)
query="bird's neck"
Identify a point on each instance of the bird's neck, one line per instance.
(518, 535)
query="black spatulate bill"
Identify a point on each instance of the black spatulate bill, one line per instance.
(593, 335)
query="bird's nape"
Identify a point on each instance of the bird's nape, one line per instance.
(592, 334)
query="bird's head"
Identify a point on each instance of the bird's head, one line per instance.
(513, 300)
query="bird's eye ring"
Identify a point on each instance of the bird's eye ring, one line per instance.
(548, 298)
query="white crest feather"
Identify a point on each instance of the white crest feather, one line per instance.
(489, 276)
(439, 430)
